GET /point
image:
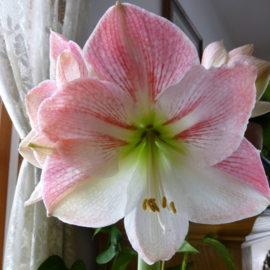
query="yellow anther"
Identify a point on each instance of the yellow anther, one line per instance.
(172, 207)
(164, 202)
(118, 3)
(150, 207)
(155, 206)
(144, 204)
(151, 200)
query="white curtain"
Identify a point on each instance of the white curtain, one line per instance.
(24, 62)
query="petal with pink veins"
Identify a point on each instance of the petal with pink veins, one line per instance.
(232, 190)
(67, 68)
(101, 202)
(85, 106)
(244, 50)
(208, 117)
(141, 52)
(214, 55)
(98, 156)
(58, 44)
(34, 99)
(263, 71)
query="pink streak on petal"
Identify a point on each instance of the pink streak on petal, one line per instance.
(139, 51)
(67, 68)
(77, 53)
(58, 44)
(211, 113)
(35, 97)
(83, 106)
(58, 178)
(245, 164)
(98, 156)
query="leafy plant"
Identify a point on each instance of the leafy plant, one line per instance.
(123, 255)
(55, 262)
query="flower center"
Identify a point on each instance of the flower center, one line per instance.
(155, 192)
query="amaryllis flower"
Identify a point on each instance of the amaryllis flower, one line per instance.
(158, 141)
(215, 55)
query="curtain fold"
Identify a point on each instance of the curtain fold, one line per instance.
(24, 62)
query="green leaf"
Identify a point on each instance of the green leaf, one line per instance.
(186, 247)
(116, 236)
(124, 259)
(97, 230)
(210, 235)
(78, 265)
(54, 262)
(106, 255)
(221, 250)
(179, 267)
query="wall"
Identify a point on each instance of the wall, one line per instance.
(207, 21)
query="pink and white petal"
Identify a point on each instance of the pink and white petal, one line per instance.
(99, 156)
(208, 117)
(261, 107)
(85, 106)
(34, 99)
(227, 192)
(130, 47)
(58, 44)
(82, 200)
(26, 151)
(36, 196)
(244, 50)
(148, 238)
(263, 67)
(77, 53)
(214, 55)
(67, 68)
(245, 164)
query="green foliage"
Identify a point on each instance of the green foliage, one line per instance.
(106, 255)
(124, 259)
(264, 121)
(123, 256)
(186, 247)
(78, 265)
(55, 262)
(179, 267)
(220, 249)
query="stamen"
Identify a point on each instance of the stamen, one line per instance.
(172, 207)
(150, 207)
(155, 206)
(118, 3)
(164, 202)
(151, 200)
(144, 204)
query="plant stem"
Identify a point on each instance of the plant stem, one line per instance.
(185, 261)
(142, 265)
(163, 265)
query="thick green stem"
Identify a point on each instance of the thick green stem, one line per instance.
(142, 265)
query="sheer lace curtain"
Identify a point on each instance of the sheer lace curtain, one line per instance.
(24, 62)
